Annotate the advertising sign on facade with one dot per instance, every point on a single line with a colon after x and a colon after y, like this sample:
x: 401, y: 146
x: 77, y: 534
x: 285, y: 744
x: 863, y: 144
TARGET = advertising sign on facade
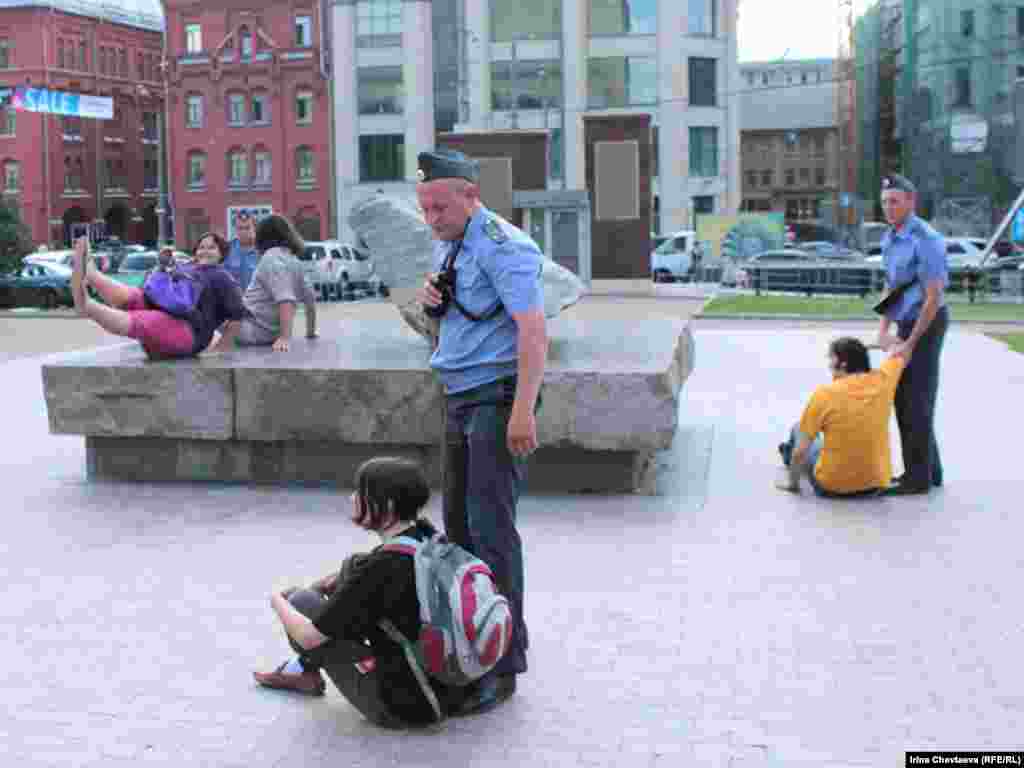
x: 63, y: 103
x: 256, y: 211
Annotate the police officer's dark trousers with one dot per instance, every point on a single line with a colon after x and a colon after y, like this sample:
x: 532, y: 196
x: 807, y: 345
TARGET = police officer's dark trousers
x: 482, y: 485
x: 915, y: 404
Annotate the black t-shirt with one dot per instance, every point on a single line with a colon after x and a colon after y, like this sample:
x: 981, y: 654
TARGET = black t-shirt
x: 383, y: 586
x: 221, y: 300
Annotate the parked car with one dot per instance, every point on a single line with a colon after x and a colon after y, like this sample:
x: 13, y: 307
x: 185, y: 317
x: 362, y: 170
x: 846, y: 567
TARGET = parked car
x: 826, y: 250
x: 139, y: 263
x: 960, y: 252
x: 331, y: 265
x: 674, y: 259
x: 781, y: 257
x: 49, y: 257
x: 37, y: 285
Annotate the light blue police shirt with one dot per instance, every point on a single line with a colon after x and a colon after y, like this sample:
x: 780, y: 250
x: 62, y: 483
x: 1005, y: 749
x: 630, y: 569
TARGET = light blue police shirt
x: 241, y: 263
x: 498, y: 262
x: 915, y: 249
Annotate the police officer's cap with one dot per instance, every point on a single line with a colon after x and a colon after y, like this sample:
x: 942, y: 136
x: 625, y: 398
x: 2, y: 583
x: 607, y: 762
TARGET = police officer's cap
x: 447, y: 164
x: 899, y: 183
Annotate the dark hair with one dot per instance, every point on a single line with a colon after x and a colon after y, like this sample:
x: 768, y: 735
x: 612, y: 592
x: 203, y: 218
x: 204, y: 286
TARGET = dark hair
x: 275, y: 231
x: 851, y: 354
x: 390, y: 489
x: 222, y: 244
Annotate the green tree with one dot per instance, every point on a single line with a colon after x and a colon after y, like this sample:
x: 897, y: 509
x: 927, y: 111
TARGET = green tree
x: 15, y: 238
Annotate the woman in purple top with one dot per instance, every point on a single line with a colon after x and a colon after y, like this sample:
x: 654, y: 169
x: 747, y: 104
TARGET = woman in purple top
x: 127, y: 312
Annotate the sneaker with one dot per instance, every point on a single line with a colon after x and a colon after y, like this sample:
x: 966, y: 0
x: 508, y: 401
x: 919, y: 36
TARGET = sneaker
x: 487, y: 694
x: 308, y: 682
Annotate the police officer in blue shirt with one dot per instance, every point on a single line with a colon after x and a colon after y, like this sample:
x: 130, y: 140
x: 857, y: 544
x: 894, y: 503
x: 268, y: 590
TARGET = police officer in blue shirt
x: 914, y: 256
x: 243, y: 257
x: 490, y: 357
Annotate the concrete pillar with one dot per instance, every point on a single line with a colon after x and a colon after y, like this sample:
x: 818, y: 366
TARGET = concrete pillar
x: 673, y: 131
x: 346, y: 120
x: 418, y: 80
x: 730, y: 93
x: 575, y: 45
x: 478, y: 62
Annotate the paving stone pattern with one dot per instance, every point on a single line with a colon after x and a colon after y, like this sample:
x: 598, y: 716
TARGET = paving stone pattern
x: 718, y: 623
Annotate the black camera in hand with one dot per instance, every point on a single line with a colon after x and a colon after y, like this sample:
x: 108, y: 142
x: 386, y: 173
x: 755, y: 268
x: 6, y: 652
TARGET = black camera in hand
x: 445, y: 285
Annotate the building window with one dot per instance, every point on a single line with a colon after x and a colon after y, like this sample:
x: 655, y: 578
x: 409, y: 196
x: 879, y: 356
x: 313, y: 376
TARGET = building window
x: 103, y: 60
x: 703, y: 204
x: 124, y: 62
x: 245, y: 43
x: 703, y: 83
x: 83, y: 57
x: 378, y: 23
x: 261, y: 172
x: 556, y: 154
x: 150, y: 128
x: 60, y: 53
x: 1020, y: 21
x: 238, y: 168
x: 196, y: 170
x: 71, y: 128
x: 790, y: 178
x: 114, y: 173
x: 381, y: 158
x: 967, y: 23
x: 526, y: 85
x: 305, y: 167
x: 260, y: 109
x: 12, y: 176
x: 805, y: 176
x: 704, y: 151
x: 526, y: 20
x: 73, y: 174
x: 751, y: 178
x: 236, y: 109
x: 304, y: 106
x: 304, y: 31
x: 819, y: 145
x: 6, y: 54
x: 381, y: 91
x: 766, y: 178
x: 150, y: 175
x: 193, y: 39
x: 962, y: 96
x: 819, y: 177
x: 194, y: 111
x: 702, y: 17
x: 615, y: 17
x: 622, y: 82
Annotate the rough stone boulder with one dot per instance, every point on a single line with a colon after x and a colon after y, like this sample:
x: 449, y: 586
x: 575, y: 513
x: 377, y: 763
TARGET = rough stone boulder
x: 402, y: 247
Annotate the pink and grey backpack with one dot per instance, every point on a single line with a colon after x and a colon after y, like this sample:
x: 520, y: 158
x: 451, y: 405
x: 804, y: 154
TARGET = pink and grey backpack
x: 466, y: 623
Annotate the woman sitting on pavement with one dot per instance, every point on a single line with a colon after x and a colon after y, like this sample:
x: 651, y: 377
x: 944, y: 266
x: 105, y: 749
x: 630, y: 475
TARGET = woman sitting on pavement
x: 334, y: 625
x: 278, y: 284
x: 127, y: 311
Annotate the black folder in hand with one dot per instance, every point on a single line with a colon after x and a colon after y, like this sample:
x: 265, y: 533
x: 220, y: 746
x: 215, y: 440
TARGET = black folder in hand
x: 886, y: 302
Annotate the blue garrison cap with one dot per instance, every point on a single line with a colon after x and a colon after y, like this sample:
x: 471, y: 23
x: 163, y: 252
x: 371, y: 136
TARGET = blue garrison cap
x: 901, y: 183
x: 447, y: 164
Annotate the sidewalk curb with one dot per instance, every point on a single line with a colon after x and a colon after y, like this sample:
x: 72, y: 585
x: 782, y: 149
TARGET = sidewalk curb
x: 839, y: 319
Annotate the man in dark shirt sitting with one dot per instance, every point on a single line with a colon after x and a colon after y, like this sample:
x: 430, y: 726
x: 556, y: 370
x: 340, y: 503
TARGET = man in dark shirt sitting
x: 334, y: 625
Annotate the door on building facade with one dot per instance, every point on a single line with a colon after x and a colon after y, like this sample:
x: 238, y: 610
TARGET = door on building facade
x: 565, y: 239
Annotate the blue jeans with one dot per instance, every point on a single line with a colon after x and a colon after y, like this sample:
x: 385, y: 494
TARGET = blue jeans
x: 811, y: 461
x: 482, y: 483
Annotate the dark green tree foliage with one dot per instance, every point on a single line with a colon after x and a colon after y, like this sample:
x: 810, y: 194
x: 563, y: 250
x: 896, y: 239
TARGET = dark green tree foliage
x: 15, y: 239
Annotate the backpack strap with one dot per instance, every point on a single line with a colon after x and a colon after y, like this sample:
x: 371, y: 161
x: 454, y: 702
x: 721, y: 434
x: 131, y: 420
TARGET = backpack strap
x: 414, y: 663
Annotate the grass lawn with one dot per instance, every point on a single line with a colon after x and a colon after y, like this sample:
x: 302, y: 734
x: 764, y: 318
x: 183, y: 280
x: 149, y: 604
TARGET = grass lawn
x: 1014, y: 340
x: 847, y: 307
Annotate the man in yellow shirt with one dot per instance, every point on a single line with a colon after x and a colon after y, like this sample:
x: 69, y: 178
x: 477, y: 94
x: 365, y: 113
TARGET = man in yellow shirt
x: 842, y: 441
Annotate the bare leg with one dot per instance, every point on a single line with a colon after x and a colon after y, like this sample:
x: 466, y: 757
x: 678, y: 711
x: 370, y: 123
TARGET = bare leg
x: 114, y: 293
x: 112, y: 320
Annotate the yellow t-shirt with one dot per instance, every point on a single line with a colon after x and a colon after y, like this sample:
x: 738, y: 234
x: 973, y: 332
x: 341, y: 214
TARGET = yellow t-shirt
x: 853, y: 413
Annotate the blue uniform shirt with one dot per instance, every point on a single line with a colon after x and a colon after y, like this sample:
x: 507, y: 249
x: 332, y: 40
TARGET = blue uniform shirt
x: 241, y: 263
x: 913, y: 250
x: 498, y: 262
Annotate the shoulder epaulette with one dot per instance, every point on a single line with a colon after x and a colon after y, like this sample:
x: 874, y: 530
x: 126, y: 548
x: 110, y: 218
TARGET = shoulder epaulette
x: 494, y: 231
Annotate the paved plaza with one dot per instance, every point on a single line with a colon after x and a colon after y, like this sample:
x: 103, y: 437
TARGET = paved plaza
x: 717, y: 623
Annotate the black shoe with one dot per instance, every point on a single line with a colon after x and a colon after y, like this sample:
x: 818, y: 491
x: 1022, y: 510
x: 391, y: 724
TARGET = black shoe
x: 898, y: 480
x: 487, y: 694
x: 903, y: 489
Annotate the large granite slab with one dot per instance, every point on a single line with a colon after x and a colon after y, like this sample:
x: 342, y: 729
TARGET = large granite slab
x: 610, y: 400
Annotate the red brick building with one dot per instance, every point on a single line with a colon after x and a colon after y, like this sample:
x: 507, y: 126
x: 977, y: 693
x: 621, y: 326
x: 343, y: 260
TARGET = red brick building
x: 88, y: 170
x: 248, y: 113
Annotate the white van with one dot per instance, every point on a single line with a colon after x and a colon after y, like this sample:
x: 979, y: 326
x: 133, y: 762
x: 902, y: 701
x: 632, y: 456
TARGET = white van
x: 331, y: 263
x: 673, y: 259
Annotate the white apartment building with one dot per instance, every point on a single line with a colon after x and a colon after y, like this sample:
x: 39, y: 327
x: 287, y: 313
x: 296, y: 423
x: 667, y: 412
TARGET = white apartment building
x: 405, y: 69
